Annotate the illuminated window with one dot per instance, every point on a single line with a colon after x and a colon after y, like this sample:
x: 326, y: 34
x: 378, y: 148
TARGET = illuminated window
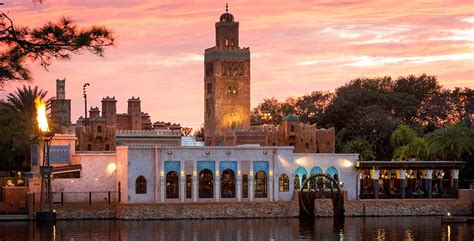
x: 260, y: 184
x: 140, y: 185
x: 172, y: 185
x: 232, y: 89
x: 206, y: 184
x: 284, y: 183
x: 228, y: 184
x: 189, y: 181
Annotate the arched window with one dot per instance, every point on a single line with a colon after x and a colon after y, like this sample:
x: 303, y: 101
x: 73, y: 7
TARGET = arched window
x: 99, y: 129
x: 297, y: 182
x: 260, y: 184
x: 292, y: 128
x: 172, y: 185
x: 226, y: 42
x: 228, y: 184
x: 284, y: 183
x: 206, y: 184
x: 140, y: 185
x: 89, y: 147
x: 306, y: 145
x: 107, y: 147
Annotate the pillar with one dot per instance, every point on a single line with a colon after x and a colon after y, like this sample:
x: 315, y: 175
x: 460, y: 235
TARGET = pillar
x: 454, y: 177
x: 251, y: 183
x: 403, y: 183
x: 238, y: 186
x: 375, y: 177
x: 217, y: 183
x: 429, y: 182
x: 162, y: 185
x: 440, y: 187
x: 270, y: 186
x: 194, y: 191
x: 182, y: 183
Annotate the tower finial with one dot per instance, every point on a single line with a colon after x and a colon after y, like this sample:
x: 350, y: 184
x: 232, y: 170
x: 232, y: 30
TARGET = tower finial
x: 226, y: 7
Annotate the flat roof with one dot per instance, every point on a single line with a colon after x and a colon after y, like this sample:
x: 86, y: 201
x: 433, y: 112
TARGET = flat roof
x: 409, y: 164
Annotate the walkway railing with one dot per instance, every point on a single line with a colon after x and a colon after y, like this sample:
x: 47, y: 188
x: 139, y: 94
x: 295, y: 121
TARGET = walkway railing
x: 82, y: 197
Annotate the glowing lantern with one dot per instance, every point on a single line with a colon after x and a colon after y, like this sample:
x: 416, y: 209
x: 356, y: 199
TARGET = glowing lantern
x: 41, y: 115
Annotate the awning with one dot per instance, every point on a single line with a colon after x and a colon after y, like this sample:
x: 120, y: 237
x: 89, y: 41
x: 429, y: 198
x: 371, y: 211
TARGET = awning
x: 67, y: 169
x: 406, y: 165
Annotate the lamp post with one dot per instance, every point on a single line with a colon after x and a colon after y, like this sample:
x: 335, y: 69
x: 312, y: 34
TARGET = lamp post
x: 84, y: 94
x: 46, y: 212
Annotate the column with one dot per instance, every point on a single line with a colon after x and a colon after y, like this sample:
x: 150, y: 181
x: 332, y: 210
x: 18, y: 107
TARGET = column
x: 217, y: 183
x: 440, y: 186
x: 375, y: 177
x: 194, y: 191
x: 454, y: 177
x: 429, y: 182
x: 270, y: 186
x: 239, y: 182
x: 403, y: 183
x: 251, y: 183
x: 157, y: 176
x: 182, y: 183
x: 162, y: 185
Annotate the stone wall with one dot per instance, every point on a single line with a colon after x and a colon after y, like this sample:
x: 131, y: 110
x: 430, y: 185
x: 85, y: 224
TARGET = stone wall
x: 398, y: 207
x: 173, y: 210
x: 209, y: 210
x: 323, y: 208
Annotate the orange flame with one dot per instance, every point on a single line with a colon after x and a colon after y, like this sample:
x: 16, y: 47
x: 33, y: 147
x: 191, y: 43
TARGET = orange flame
x: 41, y: 115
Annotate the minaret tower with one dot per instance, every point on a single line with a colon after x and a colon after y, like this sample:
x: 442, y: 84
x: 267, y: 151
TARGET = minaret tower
x: 226, y: 83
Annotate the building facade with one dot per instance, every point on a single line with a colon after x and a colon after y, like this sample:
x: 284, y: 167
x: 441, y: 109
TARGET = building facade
x: 226, y: 83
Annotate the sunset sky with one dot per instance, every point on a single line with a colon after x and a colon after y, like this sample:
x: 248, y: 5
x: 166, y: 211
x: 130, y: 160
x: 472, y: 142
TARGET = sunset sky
x: 296, y: 47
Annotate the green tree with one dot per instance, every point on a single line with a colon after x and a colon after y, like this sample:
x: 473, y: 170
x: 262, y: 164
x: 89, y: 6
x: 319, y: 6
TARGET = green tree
x: 18, y: 123
x: 450, y: 142
x: 20, y: 45
x: 360, y: 146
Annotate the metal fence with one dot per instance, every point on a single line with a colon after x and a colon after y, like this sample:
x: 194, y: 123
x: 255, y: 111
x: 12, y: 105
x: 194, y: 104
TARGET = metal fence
x: 81, y: 197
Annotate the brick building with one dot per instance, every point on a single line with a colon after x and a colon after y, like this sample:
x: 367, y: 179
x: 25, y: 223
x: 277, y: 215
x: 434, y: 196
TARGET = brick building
x: 305, y: 138
x: 61, y: 108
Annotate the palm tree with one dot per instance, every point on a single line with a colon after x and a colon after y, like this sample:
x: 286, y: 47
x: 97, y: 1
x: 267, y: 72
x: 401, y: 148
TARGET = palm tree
x: 361, y: 146
x: 450, y: 142
x: 18, y: 125
x: 403, y: 135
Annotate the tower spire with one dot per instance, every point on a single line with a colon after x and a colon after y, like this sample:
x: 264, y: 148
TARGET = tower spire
x: 226, y: 7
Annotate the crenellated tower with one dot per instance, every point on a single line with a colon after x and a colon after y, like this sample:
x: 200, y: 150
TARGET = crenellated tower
x: 226, y: 83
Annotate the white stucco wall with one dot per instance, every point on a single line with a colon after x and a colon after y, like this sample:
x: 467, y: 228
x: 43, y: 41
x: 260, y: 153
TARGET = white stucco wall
x: 97, y: 175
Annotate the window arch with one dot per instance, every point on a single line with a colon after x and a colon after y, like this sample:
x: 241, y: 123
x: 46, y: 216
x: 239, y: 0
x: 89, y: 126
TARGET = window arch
x: 206, y: 184
x: 260, y: 184
x: 333, y: 172
x: 297, y: 182
x: 140, y: 185
x: 172, y: 185
x: 99, y: 129
x: 284, y: 183
x: 228, y: 184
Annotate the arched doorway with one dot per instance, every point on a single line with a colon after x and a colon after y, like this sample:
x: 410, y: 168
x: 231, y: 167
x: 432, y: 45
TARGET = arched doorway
x: 228, y: 184
x: 172, y: 185
x: 206, y: 184
x: 260, y: 184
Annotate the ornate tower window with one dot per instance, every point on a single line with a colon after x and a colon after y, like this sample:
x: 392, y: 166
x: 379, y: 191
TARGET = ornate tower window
x: 232, y: 68
x: 232, y: 88
x: 209, y: 69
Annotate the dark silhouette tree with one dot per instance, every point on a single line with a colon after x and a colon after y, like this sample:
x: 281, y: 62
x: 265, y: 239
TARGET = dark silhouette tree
x: 20, y: 45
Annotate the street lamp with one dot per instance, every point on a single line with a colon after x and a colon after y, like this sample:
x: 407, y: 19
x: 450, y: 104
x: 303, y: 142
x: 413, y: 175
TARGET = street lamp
x: 84, y: 94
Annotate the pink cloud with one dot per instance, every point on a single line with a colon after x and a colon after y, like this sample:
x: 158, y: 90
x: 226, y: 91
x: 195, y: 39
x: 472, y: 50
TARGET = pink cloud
x: 297, y: 46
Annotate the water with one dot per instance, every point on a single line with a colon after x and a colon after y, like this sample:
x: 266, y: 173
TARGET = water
x: 374, y: 228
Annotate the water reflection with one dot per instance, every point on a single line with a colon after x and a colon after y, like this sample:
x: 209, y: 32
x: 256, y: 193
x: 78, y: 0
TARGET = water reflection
x: 375, y: 228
